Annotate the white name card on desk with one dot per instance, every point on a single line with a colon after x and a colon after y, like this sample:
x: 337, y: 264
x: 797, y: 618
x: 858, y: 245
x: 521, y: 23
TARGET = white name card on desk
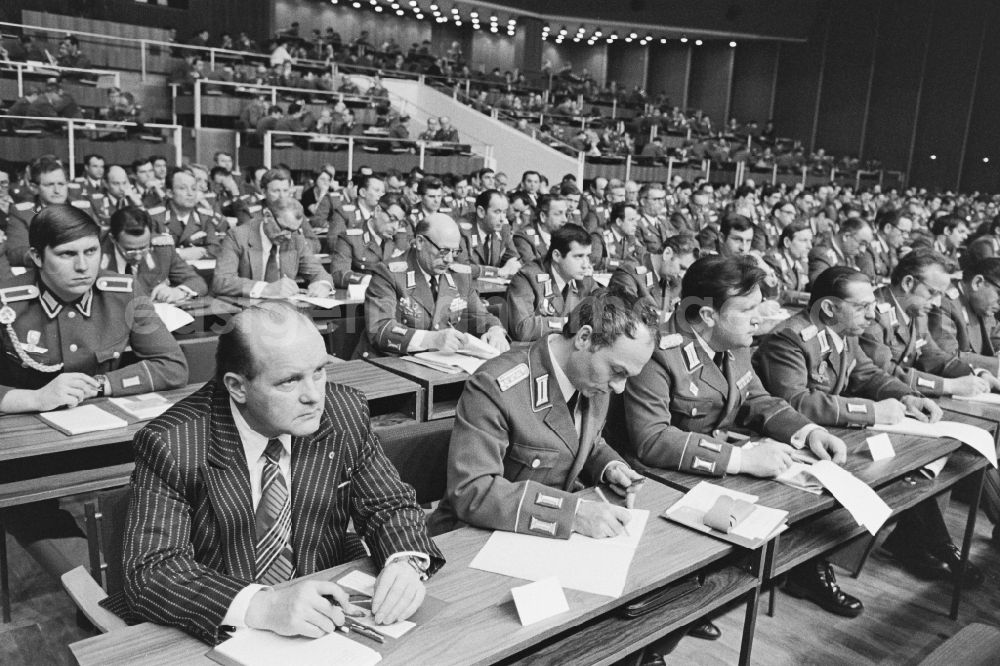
x: 539, y: 600
x: 172, y: 316
x: 880, y: 446
x: 203, y: 264
x: 356, y: 292
x: 320, y: 302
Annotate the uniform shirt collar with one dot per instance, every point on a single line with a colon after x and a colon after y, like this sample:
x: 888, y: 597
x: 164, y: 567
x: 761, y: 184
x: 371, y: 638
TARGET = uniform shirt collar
x: 52, y: 306
x: 253, y: 442
x: 374, y: 236
x: 704, y: 345
x: 838, y: 342
x: 565, y: 385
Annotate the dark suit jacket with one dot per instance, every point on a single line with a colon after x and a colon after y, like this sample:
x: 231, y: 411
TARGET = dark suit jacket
x: 241, y: 262
x: 189, y: 542
x: 957, y: 329
x: 162, y: 263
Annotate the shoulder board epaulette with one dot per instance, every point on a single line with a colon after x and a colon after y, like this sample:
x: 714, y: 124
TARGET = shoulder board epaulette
x: 470, y: 199
x: 162, y: 240
x: 542, y: 277
x: 348, y: 207
x: 80, y: 203
x: 465, y: 226
x: 832, y: 255
x: 22, y: 293
x: 883, y: 307
x: 608, y: 236
x: 73, y: 186
x: 156, y: 210
x: 529, y: 232
x: 122, y: 284
x: 671, y: 341
x: 355, y: 232
x: 444, y: 209
x: 397, y: 267
x: 513, y: 377
x: 952, y: 293
x: 207, y: 211
x: 641, y: 270
x: 24, y: 205
x: 809, y: 332
x: 460, y: 268
x: 256, y: 208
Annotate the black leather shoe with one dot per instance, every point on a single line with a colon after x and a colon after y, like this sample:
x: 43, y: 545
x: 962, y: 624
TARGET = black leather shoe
x: 705, y: 630
x: 951, y: 556
x: 920, y: 562
x: 650, y: 658
x: 819, y: 586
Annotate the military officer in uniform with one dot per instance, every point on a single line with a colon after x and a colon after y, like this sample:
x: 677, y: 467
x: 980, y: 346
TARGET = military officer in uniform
x: 816, y: 362
x: 64, y: 329
x: 48, y: 182
x: 354, y: 215
x: 790, y: 262
x: 967, y: 315
x: 618, y: 244
x: 950, y: 232
x: 654, y: 229
x: 842, y: 248
x: 425, y: 300
x: 659, y: 278
x: 528, y: 428
x: 898, y: 340
x: 380, y: 241
x: 892, y: 231
x: 541, y: 296
x: 487, y: 239
x: 266, y: 258
x: 130, y: 247
x: 197, y: 232
x: 532, y: 241
x: 430, y: 190
x: 92, y: 181
x: 683, y: 409
x: 277, y: 189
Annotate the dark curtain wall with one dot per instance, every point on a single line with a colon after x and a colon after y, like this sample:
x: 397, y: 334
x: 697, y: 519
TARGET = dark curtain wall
x: 799, y: 75
x: 753, y: 80
x: 984, y: 130
x: 669, y: 70
x: 627, y: 64
x: 711, y: 79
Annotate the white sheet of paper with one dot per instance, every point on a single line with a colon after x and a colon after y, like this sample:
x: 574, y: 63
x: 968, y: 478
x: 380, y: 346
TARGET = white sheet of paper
x: 598, y: 566
x: 539, y: 600
x: 880, y: 446
x: 934, y: 467
x: 363, y: 583
x: 356, y: 292
x: 327, y: 303
x: 144, y: 406
x: 602, y: 278
x: 203, y: 264
x: 257, y: 647
x: 478, y: 348
x: 796, y: 475
x: 173, y: 317
x: 468, y: 364
x: 856, y: 496
x: 86, y: 418
x: 988, y: 398
x: 761, y: 523
x: 975, y: 437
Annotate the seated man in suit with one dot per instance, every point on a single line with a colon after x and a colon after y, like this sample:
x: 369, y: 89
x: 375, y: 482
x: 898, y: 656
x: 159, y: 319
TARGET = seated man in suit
x: 815, y: 361
x: 252, y: 481
x: 541, y: 296
x: 527, y: 430
x: 197, y: 232
x: 379, y: 240
x: 64, y: 330
x: 898, y: 339
x: 678, y: 413
x: 487, y: 238
x: 265, y: 258
x: 659, y: 277
x: 618, y: 244
x: 131, y: 248
x: 789, y: 260
x: 425, y: 300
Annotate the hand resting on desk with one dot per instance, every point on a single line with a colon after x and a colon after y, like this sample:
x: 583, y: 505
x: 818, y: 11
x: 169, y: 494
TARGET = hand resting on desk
x: 891, y: 411
x: 301, y: 609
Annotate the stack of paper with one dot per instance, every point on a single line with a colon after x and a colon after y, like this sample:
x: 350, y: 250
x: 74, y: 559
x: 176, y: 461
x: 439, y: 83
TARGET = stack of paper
x: 598, y: 566
x: 797, y: 476
x: 473, y: 354
x: 80, y: 420
x: 751, y: 532
x: 143, y: 407
x: 977, y: 438
x: 327, y: 303
x: 173, y: 317
x: 988, y: 398
x: 256, y: 647
x: 202, y: 264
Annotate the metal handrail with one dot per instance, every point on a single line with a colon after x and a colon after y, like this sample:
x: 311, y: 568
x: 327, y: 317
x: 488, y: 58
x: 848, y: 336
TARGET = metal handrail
x: 40, y: 67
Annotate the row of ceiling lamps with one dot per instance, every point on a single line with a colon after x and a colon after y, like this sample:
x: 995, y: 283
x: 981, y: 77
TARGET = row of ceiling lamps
x: 495, y: 24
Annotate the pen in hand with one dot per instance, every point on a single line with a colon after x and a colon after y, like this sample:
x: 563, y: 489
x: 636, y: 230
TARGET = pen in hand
x: 351, y: 624
x: 604, y: 498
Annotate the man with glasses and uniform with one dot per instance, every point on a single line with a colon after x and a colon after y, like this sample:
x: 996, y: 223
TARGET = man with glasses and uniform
x: 893, y: 229
x: 899, y: 340
x: 380, y: 240
x: 654, y: 229
x: 424, y: 300
x: 790, y: 262
x: 842, y: 249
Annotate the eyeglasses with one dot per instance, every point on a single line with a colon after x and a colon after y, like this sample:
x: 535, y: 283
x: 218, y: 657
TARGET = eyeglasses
x: 931, y: 290
x: 442, y: 252
x: 866, y: 308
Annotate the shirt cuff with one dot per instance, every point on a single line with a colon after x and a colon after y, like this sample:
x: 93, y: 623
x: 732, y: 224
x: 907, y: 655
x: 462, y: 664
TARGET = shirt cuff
x: 417, y: 342
x: 236, y: 616
x: 735, y: 464
x: 406, y: 554
x: 799, y: 438
x: 257, y: 289
x: 187, y: 290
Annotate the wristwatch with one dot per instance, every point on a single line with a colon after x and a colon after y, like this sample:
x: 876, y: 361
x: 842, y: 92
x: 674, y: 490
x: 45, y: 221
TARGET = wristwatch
x: 419, y: 565
x: 101, y: 390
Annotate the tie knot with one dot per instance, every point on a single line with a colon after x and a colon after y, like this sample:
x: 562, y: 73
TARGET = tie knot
x: 274, y: 450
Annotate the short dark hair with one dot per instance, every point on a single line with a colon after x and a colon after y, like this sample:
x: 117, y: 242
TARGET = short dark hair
x: 683, y: 244
x: 946, y: 223
x: 59, y: 224
x: 43, y: 165
x: 788, y: 233
x: 87, y: 158
x: 563, y: 238
x: 832, y: 283
x: 131, y: 220
x: 545, y: 202
x: 989, y: 268
x: 979, y: 249
x: 139, y: 162
x: 612, y: 313
x: 914, y: 263
x: 529, y: 173
x: 715, y: 279
x: 734, y: 222
x: 429, y: 183
x: 618, y: 211
x: 218, y: 171
x: 235, y: 350
x: 273, y: 175
x: 852, y: 225
x: 390, y: 199
x: 567, y: 188
x: 168, y: 181
x: 363, y: 181
x: 485, y: 197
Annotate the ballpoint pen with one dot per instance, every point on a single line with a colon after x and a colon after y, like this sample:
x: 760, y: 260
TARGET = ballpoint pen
x: 604, y: 498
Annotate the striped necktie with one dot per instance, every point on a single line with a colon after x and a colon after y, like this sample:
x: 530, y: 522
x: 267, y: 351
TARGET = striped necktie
x: 273, y: 522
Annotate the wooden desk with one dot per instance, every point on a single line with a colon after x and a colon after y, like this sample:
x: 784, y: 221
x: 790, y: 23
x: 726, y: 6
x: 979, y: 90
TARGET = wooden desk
x: 479, y: 623
x: 210, y: 316
x: 392, y: 399
x: 831, y: 526
x: 441, y: 390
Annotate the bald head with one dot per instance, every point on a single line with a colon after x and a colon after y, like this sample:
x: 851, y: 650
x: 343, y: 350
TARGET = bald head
x: 254, y: 334
x: 438, y: 239
x: 117, y: 181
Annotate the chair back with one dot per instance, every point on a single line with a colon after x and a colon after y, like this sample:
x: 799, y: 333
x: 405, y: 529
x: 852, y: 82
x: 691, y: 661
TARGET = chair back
x: 420, y: 454
x: 105, y: 537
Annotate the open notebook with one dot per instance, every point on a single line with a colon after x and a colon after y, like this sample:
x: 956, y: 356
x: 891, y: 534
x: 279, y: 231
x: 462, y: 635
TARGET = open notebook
x: 255, y: 647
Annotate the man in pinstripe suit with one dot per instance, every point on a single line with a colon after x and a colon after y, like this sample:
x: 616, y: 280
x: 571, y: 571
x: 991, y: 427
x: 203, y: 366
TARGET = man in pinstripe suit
x: 252, y: 481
